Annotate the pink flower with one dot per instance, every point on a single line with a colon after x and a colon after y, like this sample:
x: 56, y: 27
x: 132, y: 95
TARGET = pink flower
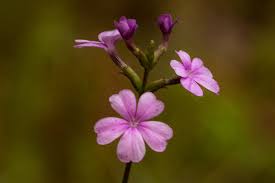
x: 107, y: 41
x: 193, y: 73
x: 134, y: 127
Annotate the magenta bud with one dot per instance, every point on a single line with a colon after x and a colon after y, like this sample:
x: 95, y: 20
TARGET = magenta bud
x: 126, y: 27
x: 166, y: 24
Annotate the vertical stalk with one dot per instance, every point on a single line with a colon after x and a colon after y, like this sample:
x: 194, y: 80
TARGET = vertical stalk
x: 140, y: 92
x: 145, y: 79
x: 127, y: 172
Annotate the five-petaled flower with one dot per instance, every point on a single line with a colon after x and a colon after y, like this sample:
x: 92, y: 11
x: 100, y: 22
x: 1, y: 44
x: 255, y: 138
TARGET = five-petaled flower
x: 107, y: 41
x: 126, y: 27
x: 193, y: 73
x: 134, y: 127
x: 166, y: 24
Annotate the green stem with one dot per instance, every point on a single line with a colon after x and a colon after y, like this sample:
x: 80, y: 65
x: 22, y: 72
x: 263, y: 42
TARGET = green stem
x: 145, y: 79
x: 133, y: 77
x: 160, y: 51
x: 127, y: 71
x: 162, y: 83
x: 139, y: 54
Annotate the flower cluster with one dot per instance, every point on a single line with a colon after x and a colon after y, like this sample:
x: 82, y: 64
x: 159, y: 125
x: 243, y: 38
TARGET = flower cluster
x: 135, y: 126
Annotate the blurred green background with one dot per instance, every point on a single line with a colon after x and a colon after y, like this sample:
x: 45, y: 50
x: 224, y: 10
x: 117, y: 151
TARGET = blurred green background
x: 52, y: 94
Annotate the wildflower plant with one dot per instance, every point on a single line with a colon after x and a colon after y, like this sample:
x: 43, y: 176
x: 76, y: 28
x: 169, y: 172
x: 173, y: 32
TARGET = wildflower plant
x: 135, y: 126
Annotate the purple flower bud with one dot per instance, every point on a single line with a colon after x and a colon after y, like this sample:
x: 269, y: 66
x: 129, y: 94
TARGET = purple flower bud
x: 166, y: 24
x: 126, y: 27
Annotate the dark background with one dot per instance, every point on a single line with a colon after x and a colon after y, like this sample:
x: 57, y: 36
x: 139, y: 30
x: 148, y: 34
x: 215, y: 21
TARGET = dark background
x: 52, y: 94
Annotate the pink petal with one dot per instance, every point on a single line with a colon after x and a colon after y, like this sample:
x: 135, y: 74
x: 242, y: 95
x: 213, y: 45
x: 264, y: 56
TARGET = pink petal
x: 109, y: 37
x: 109, y: 129
x: 131, y: 146
x: 155, y: 134
x: 80, y: 43
x: 190, y: 85
x: 179, y: 68
x: 203, y: 71
x: 196, y: 64
x: 124, y: 103
x: 208, y: 83
x: 148, y: 107
x: 185, y: 58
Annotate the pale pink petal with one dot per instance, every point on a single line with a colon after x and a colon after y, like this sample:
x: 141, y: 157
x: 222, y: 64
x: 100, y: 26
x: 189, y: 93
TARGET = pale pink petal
x: 190, y: 85
x: 110, y: 128
x: 131, y: 147
x: 80, y: 43
x: 179, y: 68
x: 185, y: 58
x: 208, y: 83
x: 148, y: 107
x: 196, y: 64
x: 109, y: 37
x: 155, y: 134
x: 203, y: 71
x: 124, y: 103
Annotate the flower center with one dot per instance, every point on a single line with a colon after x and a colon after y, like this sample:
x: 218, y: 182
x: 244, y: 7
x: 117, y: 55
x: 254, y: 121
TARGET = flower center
x: 134, y: 123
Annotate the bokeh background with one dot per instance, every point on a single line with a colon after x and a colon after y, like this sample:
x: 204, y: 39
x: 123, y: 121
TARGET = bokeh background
x: 52, y: 94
